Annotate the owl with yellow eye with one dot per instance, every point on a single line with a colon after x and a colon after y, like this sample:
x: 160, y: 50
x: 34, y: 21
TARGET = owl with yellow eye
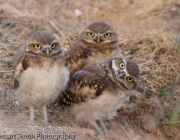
x: 40, y: 73
x: 97, y: 43
x: 96, y: 92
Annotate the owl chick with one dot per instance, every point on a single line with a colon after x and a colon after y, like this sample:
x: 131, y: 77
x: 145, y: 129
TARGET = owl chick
x: 40, y: 72
x: 97, y: 43
x: 99, y: 90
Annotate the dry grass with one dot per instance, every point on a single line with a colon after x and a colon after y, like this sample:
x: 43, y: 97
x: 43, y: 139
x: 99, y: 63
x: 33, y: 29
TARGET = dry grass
x: 147, y: 33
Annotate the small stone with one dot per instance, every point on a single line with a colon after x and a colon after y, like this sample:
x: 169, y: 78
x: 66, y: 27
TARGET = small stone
x: 78, y: 12
x: 17, y: 103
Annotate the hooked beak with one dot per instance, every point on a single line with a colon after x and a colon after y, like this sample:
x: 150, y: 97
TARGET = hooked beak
x: 121, y: 75
x: 47, y: 51
x: 98, y: 40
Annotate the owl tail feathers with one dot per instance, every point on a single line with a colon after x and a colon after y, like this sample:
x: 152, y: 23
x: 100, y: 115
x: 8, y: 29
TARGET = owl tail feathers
x: 61, y: 99
x: 64, y: 99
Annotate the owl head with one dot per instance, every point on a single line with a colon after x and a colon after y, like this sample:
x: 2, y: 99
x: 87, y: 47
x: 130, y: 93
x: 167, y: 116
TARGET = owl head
x: 125, y: 72
x: 43, y: 43
x: 98, y: 33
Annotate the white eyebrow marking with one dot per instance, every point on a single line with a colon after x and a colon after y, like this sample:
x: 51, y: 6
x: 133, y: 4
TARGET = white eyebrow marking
x: 55, y: 41
x: 125, y: 70
x: 27, y: 49
x: 114, y: 65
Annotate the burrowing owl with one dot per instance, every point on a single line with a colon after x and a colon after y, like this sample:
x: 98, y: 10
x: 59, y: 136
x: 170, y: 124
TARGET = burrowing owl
x: 99, y: 90
x: 97, y: 43
x: 40, y: 72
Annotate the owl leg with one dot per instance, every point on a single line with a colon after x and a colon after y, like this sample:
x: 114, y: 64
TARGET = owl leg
x: 31, y: 120
x: 104, y: 129
x: 44, y: 111
x: 94, y: 124
x: 31, y: 108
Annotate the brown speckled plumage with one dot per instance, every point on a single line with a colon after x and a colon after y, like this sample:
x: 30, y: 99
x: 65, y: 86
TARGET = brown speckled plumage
x: 90, y: 50
x: 98, y: 90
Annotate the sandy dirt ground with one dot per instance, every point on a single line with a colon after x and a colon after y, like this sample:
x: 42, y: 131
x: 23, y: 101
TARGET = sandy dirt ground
x: 147, y: 33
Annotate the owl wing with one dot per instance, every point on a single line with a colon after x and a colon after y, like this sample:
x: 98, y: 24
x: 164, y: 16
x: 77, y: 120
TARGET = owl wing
x: 76, y: 57
x: 85, y: 84
x: 20, y: 65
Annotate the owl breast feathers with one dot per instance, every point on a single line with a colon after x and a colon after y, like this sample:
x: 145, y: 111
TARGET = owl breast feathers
x: 99, y: 90
x: 40, y: 72
x: 97, y: 43
x: 38, y: 80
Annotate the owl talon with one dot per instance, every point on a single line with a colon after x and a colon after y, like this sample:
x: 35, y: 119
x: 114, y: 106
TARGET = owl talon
x: 107, y: 136
x: 100, y: 134
x: 104, y: 136
x: 107, y: 125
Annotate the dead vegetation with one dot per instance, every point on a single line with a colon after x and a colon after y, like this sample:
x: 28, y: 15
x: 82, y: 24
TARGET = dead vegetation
x: 148, y: 34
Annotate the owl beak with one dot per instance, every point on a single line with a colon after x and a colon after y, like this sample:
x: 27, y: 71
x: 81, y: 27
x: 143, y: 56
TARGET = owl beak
x: 47, y: 51
x: 121, y: 75
x: 98, y: 39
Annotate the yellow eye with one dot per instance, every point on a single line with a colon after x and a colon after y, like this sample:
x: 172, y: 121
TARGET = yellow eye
x: 90, y: 34
x: 106, y: 35
x: 129, y: 79
x: 37, y: 46
x: 53, y: 46
x: 122, y: 65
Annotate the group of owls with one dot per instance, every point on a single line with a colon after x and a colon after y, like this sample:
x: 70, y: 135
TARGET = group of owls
x: 92, y: 76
